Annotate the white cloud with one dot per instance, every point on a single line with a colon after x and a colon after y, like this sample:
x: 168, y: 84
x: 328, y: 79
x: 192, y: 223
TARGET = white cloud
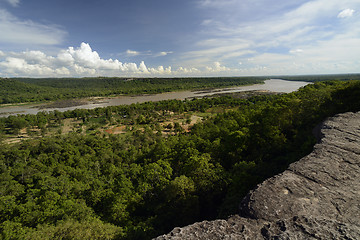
x: 62, y: 71
x: 328, y: 56
x: 34, y: 57
x: 143, y: 68
x: 217, y: 68
x: 182, y: 70
x: 290, y: 37
x: 65, y: 57
x: 15, y: 65
x: 296, y: 51
x: 78, y: 70
x: 160, y: 54
x: 346, y: 13
x: 207, y: 22
x: 219, y: 49
x: 14, y: 3
x: 285, y: 36
x: 83, y: 61
x: 160, y: 70
x: 16, y: 31
x: 132, y: 53
x: 164, y: 53
x: 86, y: 57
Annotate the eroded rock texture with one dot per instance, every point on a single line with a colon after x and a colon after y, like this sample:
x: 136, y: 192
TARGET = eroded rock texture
x: 317, y: 197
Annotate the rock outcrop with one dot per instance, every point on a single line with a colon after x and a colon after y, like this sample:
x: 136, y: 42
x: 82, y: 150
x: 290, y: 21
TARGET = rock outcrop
x: 317, y: 197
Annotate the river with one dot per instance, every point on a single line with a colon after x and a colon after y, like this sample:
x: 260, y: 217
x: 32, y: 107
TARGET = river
x: 274, y: 85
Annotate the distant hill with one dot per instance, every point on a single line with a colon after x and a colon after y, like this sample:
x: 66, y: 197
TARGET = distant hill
x: 12, y: 90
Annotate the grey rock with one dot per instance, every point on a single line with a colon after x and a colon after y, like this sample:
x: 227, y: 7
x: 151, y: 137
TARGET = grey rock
x: 317, y: 197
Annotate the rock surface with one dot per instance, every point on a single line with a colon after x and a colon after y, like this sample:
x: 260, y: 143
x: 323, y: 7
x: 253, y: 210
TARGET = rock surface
x: 317, y: 197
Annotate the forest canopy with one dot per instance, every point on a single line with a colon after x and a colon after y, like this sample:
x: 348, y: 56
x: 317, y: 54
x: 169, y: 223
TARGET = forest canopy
x: 16, y: 90
x: 141, y: 184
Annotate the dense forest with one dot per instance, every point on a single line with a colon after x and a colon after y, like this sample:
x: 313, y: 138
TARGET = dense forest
x: 19, y: 90
x: 161, y: 171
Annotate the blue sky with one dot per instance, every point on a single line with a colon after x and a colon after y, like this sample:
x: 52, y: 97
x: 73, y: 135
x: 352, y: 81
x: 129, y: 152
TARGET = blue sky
x: 77, y: 38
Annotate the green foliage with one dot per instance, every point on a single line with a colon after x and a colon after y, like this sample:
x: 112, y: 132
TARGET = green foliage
x: 326, y: 77
x: 70, y: 229
x: 140, y: 185
x: 44, y: 89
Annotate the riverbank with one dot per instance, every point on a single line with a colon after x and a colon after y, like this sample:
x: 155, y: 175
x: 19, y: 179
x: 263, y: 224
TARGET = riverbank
x: 15, y: 90
x: 64, y: 103
x: 273, y: 85
x: 244, y: 94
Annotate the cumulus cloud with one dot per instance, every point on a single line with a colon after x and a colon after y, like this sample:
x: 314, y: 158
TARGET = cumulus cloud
x: 217, y: 68
x: 14, y: 66
x: 81, y: 61
x: 346, y: 13
x: 182, y: 70
x: 143, y: 68
x: 160, y: 70
x: 84, y: 56
x: 65, y: 58
x: 84, y: 61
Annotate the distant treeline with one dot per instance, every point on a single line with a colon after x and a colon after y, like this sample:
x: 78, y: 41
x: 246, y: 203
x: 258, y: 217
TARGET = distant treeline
x: 140, y: 185
x: 49, y: 89
x: 318, y: 78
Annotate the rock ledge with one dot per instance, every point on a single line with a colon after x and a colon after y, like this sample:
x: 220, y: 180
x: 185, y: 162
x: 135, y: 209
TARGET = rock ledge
x: 317, y: 197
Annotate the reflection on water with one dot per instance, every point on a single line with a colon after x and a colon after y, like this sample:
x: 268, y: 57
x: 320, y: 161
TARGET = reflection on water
x: 274, y: 85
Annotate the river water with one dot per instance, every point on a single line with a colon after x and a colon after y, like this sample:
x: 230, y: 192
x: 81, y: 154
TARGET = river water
x: 274, y: 85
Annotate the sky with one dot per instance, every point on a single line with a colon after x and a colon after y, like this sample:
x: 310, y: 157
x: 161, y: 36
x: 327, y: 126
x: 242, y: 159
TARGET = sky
x: 169, y: 38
